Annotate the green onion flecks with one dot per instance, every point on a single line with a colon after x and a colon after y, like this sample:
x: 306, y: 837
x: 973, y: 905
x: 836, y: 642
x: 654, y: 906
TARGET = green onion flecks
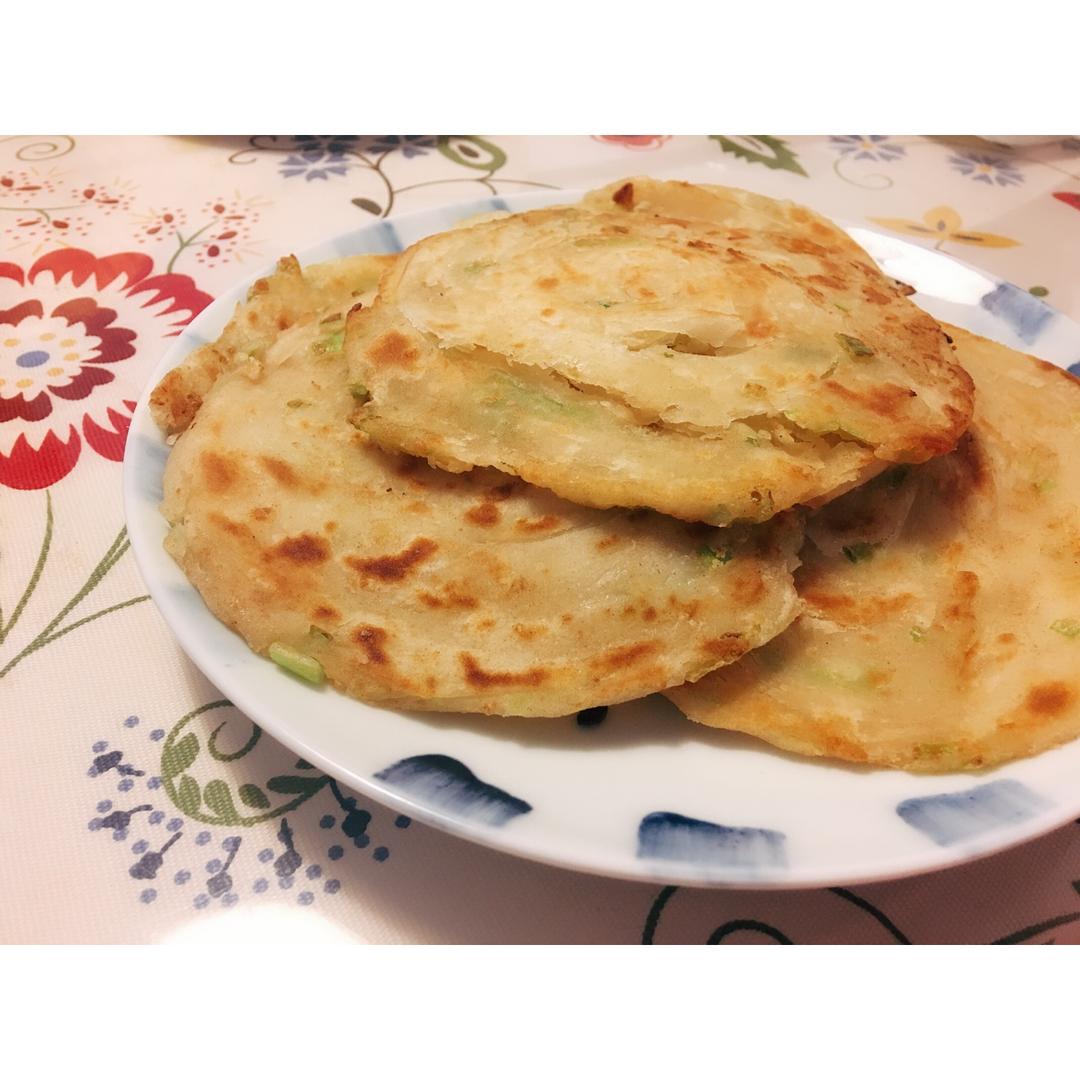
x: 306, y: 667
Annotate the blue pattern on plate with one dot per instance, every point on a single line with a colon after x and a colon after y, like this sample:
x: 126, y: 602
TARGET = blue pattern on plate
x: 446, y: 783
x: 675, y: 838
x: 378, y: 239
x: 192, y: 341
x: 965, y: 815
x: 1026, y: 314
x: 150, y: 468
x: 1074, y: 369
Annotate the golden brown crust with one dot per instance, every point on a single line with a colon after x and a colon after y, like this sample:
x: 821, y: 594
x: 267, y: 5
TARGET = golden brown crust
x: 425, y: 589
x: 743, y: 346
x: 942, y: 622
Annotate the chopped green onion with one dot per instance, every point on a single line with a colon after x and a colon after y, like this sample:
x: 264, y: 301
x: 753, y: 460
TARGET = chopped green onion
x: 476, y: 267
x: 330, y: 319
x: 330, y: 343
x: 918, y: 633
x: 606, y: 303
x: 713, y: 555
x: 306, y: 667
x: 859, y: 349
x: 318, y: 633
x: 1043, y: 486
x: 360, y: 392
x: 858, y: 552
x: 1066, y: 627
x: 668, y: 353
x: 841, y: 307
x: 296, y: 403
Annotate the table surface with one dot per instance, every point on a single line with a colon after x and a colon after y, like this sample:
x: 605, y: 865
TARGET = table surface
x: 91, y: 680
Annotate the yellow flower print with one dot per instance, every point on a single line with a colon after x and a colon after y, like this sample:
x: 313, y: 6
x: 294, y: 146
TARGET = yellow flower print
x: 945, y: 223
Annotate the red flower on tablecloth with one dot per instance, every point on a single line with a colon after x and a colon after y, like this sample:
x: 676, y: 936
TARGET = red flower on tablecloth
x: 42, y: 210
x: 1069, y: 198
x: 635, y: 142
x: 68, y: 325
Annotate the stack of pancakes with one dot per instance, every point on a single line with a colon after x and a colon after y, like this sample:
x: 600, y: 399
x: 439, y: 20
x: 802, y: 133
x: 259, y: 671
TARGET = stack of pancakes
x: 672, y: 438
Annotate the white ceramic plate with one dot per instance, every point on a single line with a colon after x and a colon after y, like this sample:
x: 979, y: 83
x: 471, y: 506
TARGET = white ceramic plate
x: 645, y: 794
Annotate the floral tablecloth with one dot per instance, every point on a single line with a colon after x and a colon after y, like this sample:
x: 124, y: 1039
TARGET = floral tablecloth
x: 108, y: 246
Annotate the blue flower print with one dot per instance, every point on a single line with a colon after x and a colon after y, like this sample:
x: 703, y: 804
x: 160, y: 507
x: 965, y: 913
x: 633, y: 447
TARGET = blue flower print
x: 987, y: 169
x: 867, y: 147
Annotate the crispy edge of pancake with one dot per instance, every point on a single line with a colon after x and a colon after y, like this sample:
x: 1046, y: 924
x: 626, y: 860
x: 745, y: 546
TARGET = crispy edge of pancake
x: 273, y: 303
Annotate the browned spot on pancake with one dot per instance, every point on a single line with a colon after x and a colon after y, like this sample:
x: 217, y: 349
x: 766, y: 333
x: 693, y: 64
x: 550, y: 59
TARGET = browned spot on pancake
x: 219, y: 472
x: 372, y: 639
x: 326, y: 613
x: 885, y: 399
x: 646, y: 294
x: 799, y: 214
x: 305, y: 548
x: 476, y: 676
x: 748, y: 587
x: 823, y: 231
x: 689, y: 608
x: 504, y: 491
x: 527, y: 631
x: 606, y: 542
x: 252, y: 317
x: 1049, y: 698
x: 649, y: 614
x: 760, y: 325
x: 702, y: 245
x: 261, y: 286
x: 815, y: 294
x: 547, y: 283
x: 1006, y: 639
x: 854, y: 611
x: 624, y: 197
x: 261, y: 513
x: 547, y: 311
x: 283, y: 322
x: 486, y: 514
x: 486, y: 624
x: 965, y: 587
x: 228, y: 525
x: 392, y: 350
x: 624, y: 656
x: 875, y: 296
x: 829, y: 281
x: 541, y: 524
x: 740, y: 256
x: 330, y: 526
x: 280, y: 470
x: 452, y: 597
x: 567, y: 617
x: 735, y: 235
x: 395, y: 567
x: 726, y: 648
x: 797, y: 245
